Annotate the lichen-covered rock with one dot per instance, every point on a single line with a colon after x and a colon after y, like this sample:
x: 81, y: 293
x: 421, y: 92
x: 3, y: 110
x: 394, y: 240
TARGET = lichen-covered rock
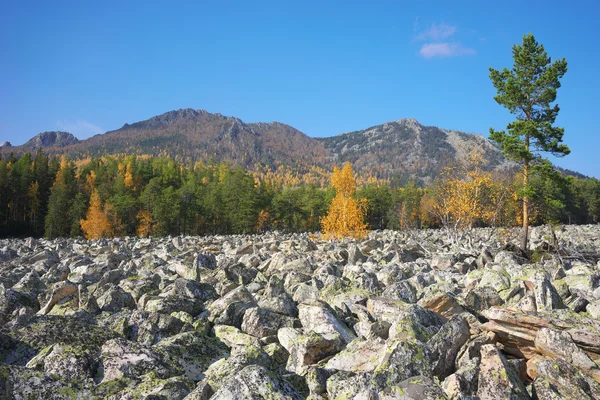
x: 115, y: 299
x: 305, y: 349
x: 446, y: 344
x: 240, y: 357
x: 359, y: 356
x: 255, y: 383
x: 191, y: 353
x: 415, y: 322
x: 125, y: 359
x: 560, y: 380
x: 67, y: 362
x: 318, y: 318
x: 348, y: 385
x: 414, y: 388
x: 559, y: 344
x: 496, y: 379
x: 261, y: 322
x: 402, y: 360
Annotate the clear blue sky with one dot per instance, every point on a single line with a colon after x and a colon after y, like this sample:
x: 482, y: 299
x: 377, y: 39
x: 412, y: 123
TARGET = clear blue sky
x: 324, y: 67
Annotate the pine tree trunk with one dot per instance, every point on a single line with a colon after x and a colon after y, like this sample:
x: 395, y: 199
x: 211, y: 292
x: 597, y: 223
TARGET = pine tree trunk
x: 525, y: 232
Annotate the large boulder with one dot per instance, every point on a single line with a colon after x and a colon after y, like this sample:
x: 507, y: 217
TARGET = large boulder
x: 125, y: 359
x: 255, y: 383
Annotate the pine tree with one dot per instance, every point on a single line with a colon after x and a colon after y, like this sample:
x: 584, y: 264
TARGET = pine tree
x: 528, y: 91
x: 58, y: 219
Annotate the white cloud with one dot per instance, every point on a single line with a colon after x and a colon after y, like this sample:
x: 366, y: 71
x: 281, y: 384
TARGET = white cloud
x: 436, y: 32
x: 444, y: 49
x: 80, y: 128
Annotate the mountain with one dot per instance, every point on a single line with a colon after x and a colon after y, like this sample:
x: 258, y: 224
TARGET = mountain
x: 398, y: 150
x: 52, y: 139
x: 191, y: 135
x: 405, y: 148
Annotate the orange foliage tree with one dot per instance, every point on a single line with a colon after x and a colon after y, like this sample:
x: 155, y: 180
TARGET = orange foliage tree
x: 346, y: 215
x: 96, y: 224
x: 146, y: 226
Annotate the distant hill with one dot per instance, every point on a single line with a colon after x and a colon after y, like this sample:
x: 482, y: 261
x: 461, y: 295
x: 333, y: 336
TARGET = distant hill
x: 398, y: 150
x: 46, y: 140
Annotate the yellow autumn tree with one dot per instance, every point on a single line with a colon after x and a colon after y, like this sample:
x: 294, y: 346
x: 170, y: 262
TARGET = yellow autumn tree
x: 96, y: 225
x: 146, y: 225
x: 346, y: 215
x: 467, y: 195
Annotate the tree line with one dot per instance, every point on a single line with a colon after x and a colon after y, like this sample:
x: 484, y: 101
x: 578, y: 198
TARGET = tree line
x: 137, y: 195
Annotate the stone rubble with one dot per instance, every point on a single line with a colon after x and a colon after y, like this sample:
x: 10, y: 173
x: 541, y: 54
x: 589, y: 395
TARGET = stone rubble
x: 290, y: 316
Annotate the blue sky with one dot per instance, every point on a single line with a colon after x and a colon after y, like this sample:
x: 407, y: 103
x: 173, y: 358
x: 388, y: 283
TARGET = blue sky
x: 324, y: 67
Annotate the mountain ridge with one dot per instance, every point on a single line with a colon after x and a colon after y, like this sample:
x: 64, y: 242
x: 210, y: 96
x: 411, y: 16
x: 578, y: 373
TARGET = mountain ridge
x: 401, y: 149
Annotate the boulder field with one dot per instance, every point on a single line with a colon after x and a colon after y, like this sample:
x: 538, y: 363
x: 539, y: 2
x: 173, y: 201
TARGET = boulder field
x: 400, y: 315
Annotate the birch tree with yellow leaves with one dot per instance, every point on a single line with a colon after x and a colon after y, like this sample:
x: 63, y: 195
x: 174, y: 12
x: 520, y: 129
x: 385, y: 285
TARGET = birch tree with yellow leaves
x: 346, y: 215
x: 467, y: 196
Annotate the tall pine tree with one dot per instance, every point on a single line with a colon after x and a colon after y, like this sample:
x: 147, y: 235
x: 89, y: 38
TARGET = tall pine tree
x: 528, y: 91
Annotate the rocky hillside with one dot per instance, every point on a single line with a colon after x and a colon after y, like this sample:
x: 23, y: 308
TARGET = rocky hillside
x: 400, y: 150
x: 52, y: 139
x: 191, y: 135
x: 407, y: 148
x: 290, y: 317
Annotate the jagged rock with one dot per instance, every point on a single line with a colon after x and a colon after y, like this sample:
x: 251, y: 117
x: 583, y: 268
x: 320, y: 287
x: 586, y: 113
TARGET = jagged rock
x: 305, y: 349
x: 261, y: 322
x: 60, y: 291
x: 320, y: 319
x: 446, y: 344
x: 441, y: 303
x: 517, y: 330
x: 232, y: 336
x: 496, y: 379
x: 348, y: 385
x: 557, y: 379
x: 401, y: 290
x: 186, y: 271
x: 443, y: 261
x: 559, y: 344
x: 546, y: 296
x: 464, y: 381
x: 402, y: 360
x: 237, y: 295
x: 240, y: 357
x: 115, y: 299
x: 415, y: 322
x: 14, y: 302
x: 355, y: 256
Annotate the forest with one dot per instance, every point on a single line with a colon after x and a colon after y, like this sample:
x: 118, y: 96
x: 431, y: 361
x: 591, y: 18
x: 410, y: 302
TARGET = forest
x: 139, y: 195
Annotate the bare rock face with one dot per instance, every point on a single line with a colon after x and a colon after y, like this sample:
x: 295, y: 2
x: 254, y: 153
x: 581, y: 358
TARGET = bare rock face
x: 280, y: 316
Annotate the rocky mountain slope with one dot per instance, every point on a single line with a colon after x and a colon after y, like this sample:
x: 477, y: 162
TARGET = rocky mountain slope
x: 407, y: 148
x: 52, y: 139
x: 291, y: 316
x: 401, y: 150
